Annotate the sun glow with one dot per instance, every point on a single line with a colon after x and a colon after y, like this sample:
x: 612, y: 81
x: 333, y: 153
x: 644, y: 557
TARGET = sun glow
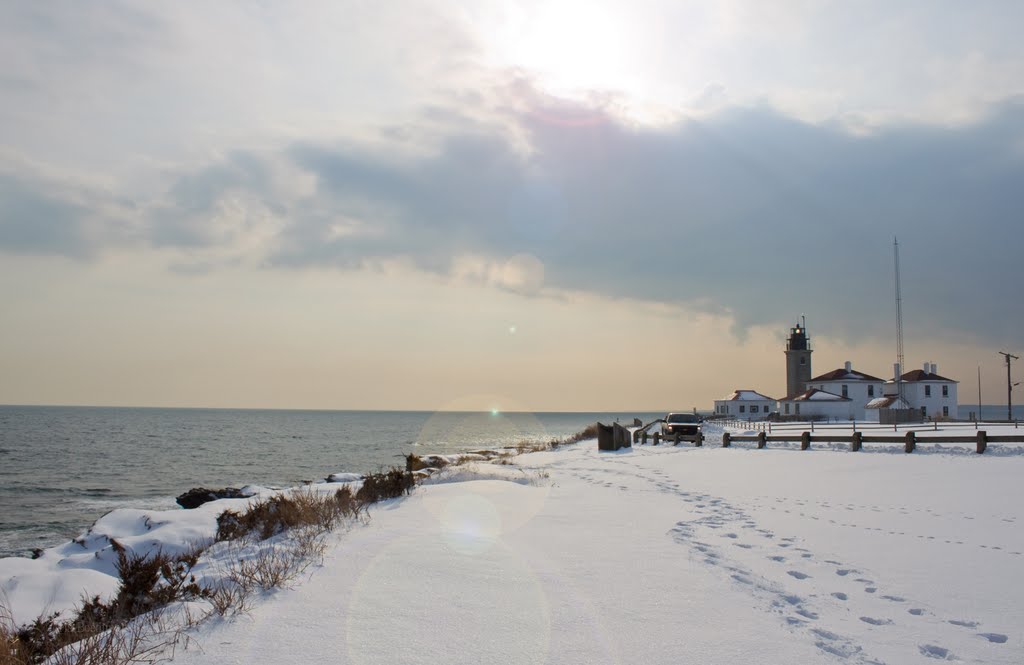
x: 568, y: 45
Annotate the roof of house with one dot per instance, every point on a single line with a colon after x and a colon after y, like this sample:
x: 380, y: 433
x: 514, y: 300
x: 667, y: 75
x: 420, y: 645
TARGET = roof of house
x: 747, y: 395
x: 887, y: 403
x: 921, y: 375
x: 843, y: 374
x: 816, y: 395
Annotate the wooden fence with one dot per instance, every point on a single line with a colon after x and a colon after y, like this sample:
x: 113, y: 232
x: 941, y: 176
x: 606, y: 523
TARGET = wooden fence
x: 909, y: 439
x: 641, y: 436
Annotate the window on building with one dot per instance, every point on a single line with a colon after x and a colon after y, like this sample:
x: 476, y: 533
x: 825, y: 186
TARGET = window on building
x: 927, y: 391
x: 924, y: 411
x: 742, y: 408
x: 846, y: 390
x: 797, y: 409
x: 803, y: 360
x: 871, y: 391
x: 945, y: 391
x: 787, y: 408
x: 753, y: 408
x: 945, y: 411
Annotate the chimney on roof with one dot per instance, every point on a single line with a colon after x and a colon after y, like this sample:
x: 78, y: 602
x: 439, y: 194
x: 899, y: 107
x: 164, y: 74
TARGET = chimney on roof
x: 926, y: 368
x: 934, y: 369
x: 896, y: 372
x: 849, y: 366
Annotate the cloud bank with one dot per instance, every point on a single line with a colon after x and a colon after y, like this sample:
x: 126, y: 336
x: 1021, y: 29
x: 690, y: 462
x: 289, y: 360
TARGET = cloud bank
x: 746, y: 211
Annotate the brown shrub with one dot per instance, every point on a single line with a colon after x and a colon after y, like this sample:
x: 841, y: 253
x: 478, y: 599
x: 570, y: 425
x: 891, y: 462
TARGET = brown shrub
x: 101, y: 632
x: 282, y: 512
x: 385, y: 485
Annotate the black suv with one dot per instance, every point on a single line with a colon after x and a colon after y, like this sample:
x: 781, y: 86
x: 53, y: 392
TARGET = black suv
x: 682, y: 423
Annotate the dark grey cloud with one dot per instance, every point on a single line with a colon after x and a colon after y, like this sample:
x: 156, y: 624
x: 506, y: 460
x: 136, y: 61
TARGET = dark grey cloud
x: 746, y: 210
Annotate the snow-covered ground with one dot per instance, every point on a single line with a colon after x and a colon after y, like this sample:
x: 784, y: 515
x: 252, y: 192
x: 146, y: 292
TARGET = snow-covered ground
x: 652, y: 554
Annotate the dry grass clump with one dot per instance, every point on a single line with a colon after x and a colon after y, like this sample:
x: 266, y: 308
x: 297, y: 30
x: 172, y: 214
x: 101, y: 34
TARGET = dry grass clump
x: 146, y: 639
x: 265, y: 547
x: 528, y: 446
x: 12, y: 651
x: 282, y: 512
x: 277, y: 539
x: 389, y: 484
x: 109, y: 632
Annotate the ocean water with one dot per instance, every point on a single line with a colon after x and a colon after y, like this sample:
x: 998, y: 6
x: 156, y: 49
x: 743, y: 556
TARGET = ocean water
x: 61, y: 468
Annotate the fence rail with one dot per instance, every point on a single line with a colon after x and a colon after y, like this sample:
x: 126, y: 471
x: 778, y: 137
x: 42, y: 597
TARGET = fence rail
x: 934, y: 426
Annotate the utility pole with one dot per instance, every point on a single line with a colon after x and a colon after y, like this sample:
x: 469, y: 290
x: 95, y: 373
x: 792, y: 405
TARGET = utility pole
x: 1009, y: 384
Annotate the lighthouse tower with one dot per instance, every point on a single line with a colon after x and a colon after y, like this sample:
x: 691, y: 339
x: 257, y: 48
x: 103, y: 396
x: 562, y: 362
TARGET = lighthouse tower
x: 798, y: 360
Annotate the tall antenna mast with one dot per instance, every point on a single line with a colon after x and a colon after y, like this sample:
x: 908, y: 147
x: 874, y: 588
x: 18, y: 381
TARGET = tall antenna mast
x: 899, y: 320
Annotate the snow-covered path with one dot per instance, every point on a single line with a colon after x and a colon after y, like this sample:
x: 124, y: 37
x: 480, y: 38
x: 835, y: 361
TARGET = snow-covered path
x: 668, y: 555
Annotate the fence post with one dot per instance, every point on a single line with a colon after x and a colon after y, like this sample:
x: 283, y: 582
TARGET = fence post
x: 911, y: 442
x: 657, y: 438
x: 936, y: 422
x: 769, y: 427
x: 644, y: 437
x: 812, y: 425
x: 760, y: 440
x: 675, y: 439
x: 726, y: 439
x: 805, y: 439
x: 982, y: 441
x: 854, y: 424
x: 857, y: 441
x: 698, y: 441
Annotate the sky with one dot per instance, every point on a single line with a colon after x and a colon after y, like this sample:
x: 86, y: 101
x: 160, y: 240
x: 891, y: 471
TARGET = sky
x: 536, y: 206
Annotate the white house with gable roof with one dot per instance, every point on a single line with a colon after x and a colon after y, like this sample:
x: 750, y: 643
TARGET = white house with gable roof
x: 745, y: 404
x: 815, y: 403
x: 925, y: 390
x: 858, y: 387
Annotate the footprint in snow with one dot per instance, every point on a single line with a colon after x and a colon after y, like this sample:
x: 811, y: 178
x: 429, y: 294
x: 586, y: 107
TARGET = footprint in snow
x: 777, y: 559
x: 843, y: 572
x: 797, y: 574
x: 916, y: 611
x: 895, y: 599
x: 996, y: 638
x: 937, y: 652
x: 870, y: 589
x: 840, y: 595
x: 876, y: 622
x: 964, y: 623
